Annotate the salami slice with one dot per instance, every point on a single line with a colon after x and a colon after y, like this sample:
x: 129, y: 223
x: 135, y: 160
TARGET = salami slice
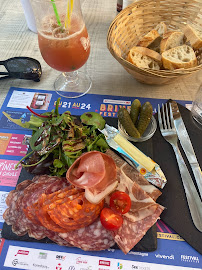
x: 134, y: 175
x: 93, y: 237
x: 9, y: 197
x: 25, y: 195
x: 13, y: 201
x: 130, y: 233
x: 74, y: 211
x: 35, y: 231
x: 56, y: 238
x: 14, y: 215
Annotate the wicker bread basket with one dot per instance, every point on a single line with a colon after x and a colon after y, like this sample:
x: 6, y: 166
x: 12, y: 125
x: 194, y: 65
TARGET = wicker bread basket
x: 138, y: 19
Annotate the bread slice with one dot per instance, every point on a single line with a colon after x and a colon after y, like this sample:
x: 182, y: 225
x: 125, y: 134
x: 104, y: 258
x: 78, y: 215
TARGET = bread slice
x: 150, y: 37
x: 142, y: 61
x: 179, y: 57
x: 193, y: 36
x: 161, y: 28
x: 147, y: 52
x: 171, y: 39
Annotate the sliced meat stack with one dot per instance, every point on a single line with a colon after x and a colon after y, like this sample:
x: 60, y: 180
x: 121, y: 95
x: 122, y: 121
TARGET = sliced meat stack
x: 50, y: 206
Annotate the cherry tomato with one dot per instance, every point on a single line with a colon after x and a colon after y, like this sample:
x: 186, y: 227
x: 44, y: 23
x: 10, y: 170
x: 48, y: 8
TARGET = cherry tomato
x: 120, y: 202
x: 110, y: 220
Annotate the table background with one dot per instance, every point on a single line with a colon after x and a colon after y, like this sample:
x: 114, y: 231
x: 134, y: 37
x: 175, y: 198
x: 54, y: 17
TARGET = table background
x: 107, y: 74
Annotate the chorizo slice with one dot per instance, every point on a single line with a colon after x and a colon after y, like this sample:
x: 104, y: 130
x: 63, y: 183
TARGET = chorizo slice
x: 42, y: 206
x: 43, y: 184
x: 74, y: 212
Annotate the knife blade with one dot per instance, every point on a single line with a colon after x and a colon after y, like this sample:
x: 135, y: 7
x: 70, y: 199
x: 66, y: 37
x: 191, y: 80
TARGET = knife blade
x: 187, y: 145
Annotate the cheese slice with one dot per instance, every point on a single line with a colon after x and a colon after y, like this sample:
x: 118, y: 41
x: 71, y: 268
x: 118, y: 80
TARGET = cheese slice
x: 134, y: 152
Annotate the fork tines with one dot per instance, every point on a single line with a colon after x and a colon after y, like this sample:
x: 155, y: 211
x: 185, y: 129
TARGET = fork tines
x: 167, y: 114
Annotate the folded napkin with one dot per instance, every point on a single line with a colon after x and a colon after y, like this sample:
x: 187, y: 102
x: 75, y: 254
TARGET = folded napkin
x: 176, y: 213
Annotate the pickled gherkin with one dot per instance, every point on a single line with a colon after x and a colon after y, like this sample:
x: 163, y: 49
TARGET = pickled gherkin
x: 135, y: 110
x: 144, y: 117
x: 127, y: 123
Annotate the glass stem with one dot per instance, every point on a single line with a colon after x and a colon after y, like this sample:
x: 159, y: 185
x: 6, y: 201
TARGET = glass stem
x: 71, y: 78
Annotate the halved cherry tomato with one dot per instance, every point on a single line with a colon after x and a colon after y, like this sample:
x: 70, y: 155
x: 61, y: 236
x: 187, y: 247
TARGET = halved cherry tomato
x: 120, y: 202
x: 110, y: 220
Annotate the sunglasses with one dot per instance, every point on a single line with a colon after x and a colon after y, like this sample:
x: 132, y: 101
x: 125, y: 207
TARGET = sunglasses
x: 22, y: 68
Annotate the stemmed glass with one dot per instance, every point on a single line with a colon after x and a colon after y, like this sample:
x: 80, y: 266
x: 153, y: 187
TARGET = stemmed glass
x: 64, y: 43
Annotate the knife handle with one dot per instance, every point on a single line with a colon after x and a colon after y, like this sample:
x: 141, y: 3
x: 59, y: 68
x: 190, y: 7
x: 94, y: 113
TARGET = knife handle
x: 198, y: 177
x: 193, y: 199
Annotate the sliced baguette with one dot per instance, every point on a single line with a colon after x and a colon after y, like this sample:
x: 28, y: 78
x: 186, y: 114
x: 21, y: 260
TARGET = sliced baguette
x: 147, y: 52
x: 161, y: 28
x: 150, y: 37
x: 142, y: 61
x: 179, y: 57
x: 171, y: 39
x: 193, y: 37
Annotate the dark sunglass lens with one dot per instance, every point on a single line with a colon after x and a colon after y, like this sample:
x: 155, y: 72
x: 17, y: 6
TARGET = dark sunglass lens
x: 24, y: 68
x: 21, y: 65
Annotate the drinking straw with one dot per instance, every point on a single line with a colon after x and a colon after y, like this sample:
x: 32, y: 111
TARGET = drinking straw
x: 56, y: 12
x: 70, y: 5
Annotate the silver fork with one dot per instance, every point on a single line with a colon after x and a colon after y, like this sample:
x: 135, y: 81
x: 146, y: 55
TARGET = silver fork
x: 169, y: 133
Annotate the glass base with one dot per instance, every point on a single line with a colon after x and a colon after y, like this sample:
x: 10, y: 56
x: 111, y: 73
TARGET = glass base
x: 72, y: 84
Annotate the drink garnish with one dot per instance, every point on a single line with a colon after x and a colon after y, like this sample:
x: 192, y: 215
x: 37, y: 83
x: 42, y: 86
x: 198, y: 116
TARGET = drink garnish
x: 56, y: 13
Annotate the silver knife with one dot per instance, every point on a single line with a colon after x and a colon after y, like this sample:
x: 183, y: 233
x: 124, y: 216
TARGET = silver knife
x: 187, y: 145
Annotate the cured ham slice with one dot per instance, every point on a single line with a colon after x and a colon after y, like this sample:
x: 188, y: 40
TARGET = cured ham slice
x: 134, y: 175
x: 143, y: 214
x: 88, y: 170
x: 93, y: 237
x: 96, y: 172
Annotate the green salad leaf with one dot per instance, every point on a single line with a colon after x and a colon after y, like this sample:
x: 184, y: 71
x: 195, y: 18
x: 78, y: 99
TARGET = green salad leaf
x: 59, y: 139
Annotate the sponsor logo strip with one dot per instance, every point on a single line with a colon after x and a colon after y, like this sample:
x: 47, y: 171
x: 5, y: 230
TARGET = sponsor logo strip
x: 32, y: 259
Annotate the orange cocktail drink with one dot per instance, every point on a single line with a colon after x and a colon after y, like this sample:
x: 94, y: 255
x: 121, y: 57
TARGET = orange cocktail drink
x: 63, y: 49
x: 64, y: 44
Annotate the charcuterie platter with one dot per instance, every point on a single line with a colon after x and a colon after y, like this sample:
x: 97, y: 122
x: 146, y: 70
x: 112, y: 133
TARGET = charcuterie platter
x: 151, y: 149
x: 45, y: 206
x: 147, y: 243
